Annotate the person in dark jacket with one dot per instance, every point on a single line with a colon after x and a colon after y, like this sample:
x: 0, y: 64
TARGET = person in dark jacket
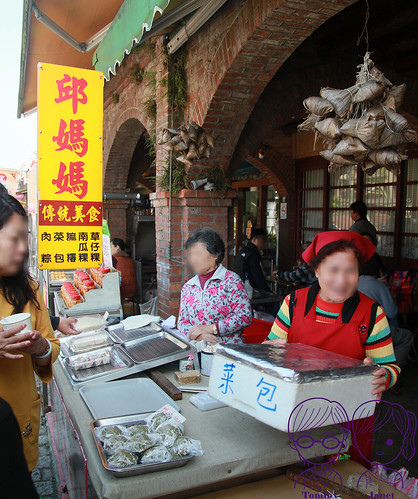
x: 248, y: 260
x: 124, y: 263
x: 361, y: 225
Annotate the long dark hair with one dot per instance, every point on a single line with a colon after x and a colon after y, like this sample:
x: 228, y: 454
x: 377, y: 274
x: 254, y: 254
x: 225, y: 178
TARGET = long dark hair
x: 18, y: 289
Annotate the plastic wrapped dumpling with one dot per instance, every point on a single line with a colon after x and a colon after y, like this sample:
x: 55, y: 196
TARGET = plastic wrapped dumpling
x: 185, y: 446
x: 169, y: 432
x: 157, y: 419
x: 104, y: 432
x: 122, y: 459
x: 137, y: 430
x: 156, y: 454
x: 114, y: 443
x: 141, y: 443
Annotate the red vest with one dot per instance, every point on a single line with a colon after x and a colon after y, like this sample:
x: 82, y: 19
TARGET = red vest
x: 347, y: 336
x: 126, y: 267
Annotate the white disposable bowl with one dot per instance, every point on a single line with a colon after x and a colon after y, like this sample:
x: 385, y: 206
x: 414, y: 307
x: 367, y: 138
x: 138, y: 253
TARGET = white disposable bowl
x: 17, y: 320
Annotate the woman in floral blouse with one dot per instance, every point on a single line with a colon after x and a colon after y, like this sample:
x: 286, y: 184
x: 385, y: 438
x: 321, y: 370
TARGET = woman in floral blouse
x: 214, y: 305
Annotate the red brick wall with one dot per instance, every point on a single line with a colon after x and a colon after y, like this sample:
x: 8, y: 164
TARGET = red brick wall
x: 230, y: 61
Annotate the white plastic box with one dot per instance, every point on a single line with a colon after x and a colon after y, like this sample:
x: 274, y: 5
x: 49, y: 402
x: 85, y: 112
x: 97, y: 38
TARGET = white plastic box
x: 279, y: 384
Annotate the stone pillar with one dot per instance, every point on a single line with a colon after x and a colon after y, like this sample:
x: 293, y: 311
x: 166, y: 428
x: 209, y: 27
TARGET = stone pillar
x: 190, y: 210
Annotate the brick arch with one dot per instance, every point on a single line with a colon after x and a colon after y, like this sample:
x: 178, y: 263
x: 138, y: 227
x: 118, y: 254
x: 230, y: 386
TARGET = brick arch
x: 251, y: 49
x: 120, y: 154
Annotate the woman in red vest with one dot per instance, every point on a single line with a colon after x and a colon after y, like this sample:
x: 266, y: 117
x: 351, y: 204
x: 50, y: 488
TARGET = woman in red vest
x: 126, y: 267
x: 334, y: 316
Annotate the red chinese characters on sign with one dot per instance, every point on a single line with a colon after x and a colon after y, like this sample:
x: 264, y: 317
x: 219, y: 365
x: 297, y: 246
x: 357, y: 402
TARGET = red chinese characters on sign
x: 72, y: 139
x: 73, y: 181
x: 72, y: 88
x: 70, y: 213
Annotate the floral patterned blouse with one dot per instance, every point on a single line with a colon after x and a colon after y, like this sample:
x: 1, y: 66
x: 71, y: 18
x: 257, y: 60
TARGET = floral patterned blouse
x: 223, y: 301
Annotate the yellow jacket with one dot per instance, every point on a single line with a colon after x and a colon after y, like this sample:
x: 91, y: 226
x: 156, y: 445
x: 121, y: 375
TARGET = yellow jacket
x: 17, y: 380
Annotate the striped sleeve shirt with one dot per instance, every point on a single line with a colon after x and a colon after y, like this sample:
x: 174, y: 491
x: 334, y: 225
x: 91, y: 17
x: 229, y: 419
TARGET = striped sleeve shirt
x: 378, y: 345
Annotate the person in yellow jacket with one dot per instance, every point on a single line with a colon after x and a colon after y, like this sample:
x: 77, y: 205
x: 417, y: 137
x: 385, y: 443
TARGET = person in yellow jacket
x: 27, y: 353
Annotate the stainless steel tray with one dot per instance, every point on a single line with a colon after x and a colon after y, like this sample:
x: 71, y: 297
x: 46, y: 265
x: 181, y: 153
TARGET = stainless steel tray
x: 67, y: 351
x: 160, y: 345
x: 119, y: 361
x: 139, y: 468
x: 120, y: 335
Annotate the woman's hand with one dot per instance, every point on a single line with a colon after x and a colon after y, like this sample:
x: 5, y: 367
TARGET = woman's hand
x: 36, y: 344
x: 203, y: 333
x: 276, y: 341
x: 10, y: 342
x: 66, y: 325
x: 379, y: 381
x: 197, y: 331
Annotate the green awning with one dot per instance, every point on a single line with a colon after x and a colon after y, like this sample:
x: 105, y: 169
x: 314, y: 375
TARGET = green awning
x: 127, y: 28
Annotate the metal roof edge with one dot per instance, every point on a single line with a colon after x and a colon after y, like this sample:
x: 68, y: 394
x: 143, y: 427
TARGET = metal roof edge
x: 26, y: 22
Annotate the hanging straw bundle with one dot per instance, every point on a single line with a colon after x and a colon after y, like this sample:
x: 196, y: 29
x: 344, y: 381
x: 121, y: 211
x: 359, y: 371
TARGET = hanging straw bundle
x: 329, y: 128
x: 318, y: 106
x: 365, y: 128
x: 340, y: 99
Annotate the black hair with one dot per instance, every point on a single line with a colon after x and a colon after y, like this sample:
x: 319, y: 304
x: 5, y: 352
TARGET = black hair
x: 255, y: 232
x: 372, y: 267
x: 335, y: 247
x: 211, y: 239
x: 3, y: 189
x: 117, y: 241
x: 360, y: 208
x: 18, y: 289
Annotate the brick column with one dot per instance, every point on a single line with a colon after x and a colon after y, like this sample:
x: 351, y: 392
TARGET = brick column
x: 190, y: 210
x: 114, y: 211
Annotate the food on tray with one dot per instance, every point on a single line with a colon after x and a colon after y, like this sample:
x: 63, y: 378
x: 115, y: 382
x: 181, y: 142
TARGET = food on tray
x: 122, y: 459
x: 185, y: 446
x: 79, y: 276
x: 140, y: 444
x: 89, y: 323
x: 98, y: 274
x: 137, y: 430
x: 169, y: 432
x: 157, y: 419
x: 86, y: 286
x: 114, y: 442
x: 91, y: 359
x: 156, y: 454
x: 70, y: 295
x: 108, y: 431
x: 88, y: 341
x: 57, y: 276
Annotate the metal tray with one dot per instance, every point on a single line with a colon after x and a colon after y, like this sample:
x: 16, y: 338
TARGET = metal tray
x: 120, y: 335
x: 67, y: 351
x: 160, y: 345
x: 128, y: 396
x: 139, y: 468
x: 119, y: 361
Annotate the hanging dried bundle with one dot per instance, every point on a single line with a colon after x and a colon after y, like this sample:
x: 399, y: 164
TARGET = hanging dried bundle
x: 387, y: 157
x: 333, y: 167
x: 398, y: 93
x: 365, y: 129
x: 329, y: 128
x: 389, y: 138
x: 340, y: 99
x: 370, y: 90
x: 370, y: 168
x: 351, y: 146
x: 338, y: 159
x: 309, y: 123
x: 396, y: 122
x: 318, y: 106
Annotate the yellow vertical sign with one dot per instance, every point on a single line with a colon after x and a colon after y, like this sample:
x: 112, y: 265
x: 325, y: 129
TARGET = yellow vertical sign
x: 70, y: 127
